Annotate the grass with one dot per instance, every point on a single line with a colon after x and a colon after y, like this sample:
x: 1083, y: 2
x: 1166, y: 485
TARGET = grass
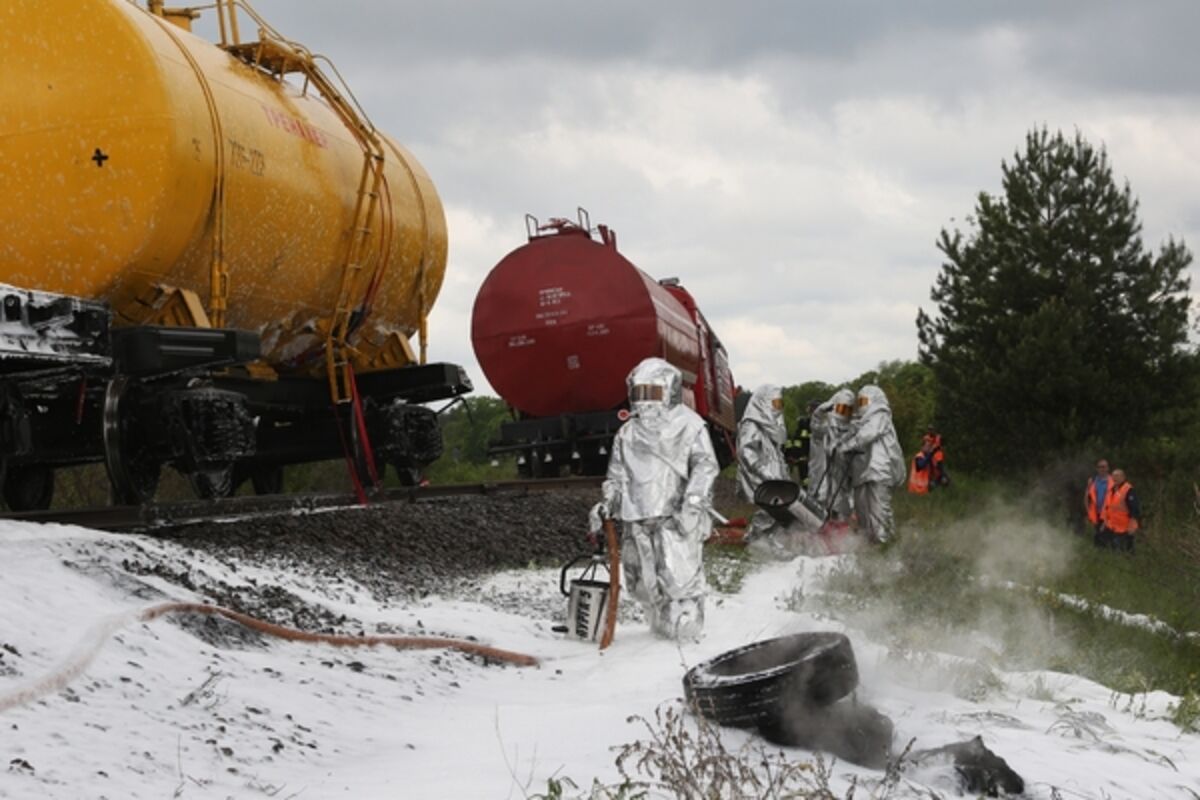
x: 726, y: 567
x: 959, y: 578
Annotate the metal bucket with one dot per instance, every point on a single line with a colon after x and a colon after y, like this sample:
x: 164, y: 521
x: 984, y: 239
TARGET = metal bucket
x: 777, y: 498
x: 587, y: 598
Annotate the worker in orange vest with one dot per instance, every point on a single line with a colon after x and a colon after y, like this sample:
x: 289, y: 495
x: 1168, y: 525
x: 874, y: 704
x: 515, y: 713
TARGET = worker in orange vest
x: 1097, y: 491
x: 931, y: 445
x: 1121, y: 514
x: 927, y: 470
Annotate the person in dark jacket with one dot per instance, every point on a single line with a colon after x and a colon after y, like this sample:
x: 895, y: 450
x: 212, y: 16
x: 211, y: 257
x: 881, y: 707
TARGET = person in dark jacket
x: 795, y: 449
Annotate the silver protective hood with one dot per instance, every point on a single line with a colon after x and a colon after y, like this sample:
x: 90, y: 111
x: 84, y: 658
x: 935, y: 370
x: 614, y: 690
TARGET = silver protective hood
x: 760, y: 438
x: 871, y: 400
x: 656, y: 372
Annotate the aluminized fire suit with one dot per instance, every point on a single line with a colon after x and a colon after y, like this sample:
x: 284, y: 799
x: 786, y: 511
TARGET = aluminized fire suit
x: 760, y: 437
x: 659, y: 485
x: 829, y: 467
x: 877, y: 463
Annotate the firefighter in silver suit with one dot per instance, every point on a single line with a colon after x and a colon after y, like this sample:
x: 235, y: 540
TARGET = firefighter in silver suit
x: 659, y: 486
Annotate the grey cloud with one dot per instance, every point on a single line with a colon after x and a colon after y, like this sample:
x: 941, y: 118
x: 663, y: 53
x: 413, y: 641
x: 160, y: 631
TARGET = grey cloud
x: 1092, y: 43
x: 792, y: 163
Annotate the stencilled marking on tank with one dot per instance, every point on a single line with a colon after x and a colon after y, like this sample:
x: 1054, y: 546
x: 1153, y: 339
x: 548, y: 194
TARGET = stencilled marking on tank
x: 572, y: 362
x: 552, y: 296
x: 245, y: 158
x: 521, y: 340
x: 597, y: 329
x: 100, y: 157
x: 550, y: 317
x: 296, y: 127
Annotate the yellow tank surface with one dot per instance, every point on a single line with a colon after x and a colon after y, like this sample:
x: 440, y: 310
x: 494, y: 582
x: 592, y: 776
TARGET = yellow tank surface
x: 134, y: 155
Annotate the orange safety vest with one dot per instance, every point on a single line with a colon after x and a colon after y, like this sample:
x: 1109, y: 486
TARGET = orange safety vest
x: 918, y: 479
x: 1093, y: 511
x: 1116, y: 510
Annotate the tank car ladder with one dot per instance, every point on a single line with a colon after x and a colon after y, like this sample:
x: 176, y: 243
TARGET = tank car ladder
x: 278, y: 56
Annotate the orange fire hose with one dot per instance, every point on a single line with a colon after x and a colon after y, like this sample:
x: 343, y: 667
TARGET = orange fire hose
x: 614, y: 582
x: 75, y: 666
x: 341, y: 640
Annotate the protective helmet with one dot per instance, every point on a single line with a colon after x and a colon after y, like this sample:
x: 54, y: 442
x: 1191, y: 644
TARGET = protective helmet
x: 843, y: 405
x: 766, y: 410
x: 654, y: 386
x: 870, y: 398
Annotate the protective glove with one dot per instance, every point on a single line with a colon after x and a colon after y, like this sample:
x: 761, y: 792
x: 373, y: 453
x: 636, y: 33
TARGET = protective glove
x: 692, y: 515
x: 596, y: 517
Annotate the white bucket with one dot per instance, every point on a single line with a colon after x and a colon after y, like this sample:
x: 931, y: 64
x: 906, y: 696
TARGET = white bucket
x: 586, y: 606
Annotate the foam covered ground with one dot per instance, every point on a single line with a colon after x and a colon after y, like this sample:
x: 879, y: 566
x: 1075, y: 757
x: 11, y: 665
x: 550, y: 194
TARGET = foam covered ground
x: 197, y: 708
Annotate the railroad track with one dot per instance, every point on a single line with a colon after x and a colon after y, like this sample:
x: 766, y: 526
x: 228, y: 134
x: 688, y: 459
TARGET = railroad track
x: 168, y: 516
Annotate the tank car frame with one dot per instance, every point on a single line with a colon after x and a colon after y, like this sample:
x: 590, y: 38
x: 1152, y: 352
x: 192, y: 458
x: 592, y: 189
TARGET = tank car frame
x: 74, y: 390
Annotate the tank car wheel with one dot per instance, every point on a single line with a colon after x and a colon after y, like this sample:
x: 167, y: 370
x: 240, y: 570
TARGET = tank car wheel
x: 408, y: 475
x: 212, y: 484
x: 30, y: 488
x: 267, y: 480
x: 132, y: 473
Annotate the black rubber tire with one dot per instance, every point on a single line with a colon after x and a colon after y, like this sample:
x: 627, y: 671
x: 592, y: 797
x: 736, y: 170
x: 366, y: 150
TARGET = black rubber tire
x: 749, y: 685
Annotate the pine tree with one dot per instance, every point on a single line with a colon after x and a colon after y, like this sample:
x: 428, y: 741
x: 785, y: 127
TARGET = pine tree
x: 1055, y: 328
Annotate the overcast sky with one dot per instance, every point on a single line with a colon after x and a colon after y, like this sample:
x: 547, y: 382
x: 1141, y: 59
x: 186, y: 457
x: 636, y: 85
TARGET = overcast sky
x: 791, y: 162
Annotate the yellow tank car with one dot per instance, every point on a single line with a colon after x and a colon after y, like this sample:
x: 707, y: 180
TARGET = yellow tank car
x: 204, y: 247
x: 120, y: 136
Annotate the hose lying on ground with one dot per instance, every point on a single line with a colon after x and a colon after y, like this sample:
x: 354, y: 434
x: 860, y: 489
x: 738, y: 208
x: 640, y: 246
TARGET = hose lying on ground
x: 75, y: 664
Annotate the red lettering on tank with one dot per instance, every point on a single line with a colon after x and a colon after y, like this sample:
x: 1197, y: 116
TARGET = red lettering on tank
x: 296, y: 127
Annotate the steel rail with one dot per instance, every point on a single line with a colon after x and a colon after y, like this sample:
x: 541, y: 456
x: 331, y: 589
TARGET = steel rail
x: 170, y: 516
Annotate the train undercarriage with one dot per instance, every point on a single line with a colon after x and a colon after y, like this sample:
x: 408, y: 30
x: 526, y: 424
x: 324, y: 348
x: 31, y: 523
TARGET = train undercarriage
x: 74, y: 390
x: 574, y: 444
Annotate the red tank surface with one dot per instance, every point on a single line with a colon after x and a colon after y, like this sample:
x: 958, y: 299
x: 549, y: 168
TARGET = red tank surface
x: 561, y: 321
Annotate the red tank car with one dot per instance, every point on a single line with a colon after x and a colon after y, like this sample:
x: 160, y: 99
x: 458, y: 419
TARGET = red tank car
x: 557, y: 326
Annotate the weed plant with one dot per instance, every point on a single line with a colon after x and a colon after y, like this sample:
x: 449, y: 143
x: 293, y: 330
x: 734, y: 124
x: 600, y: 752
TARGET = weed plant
x: 686, y: 757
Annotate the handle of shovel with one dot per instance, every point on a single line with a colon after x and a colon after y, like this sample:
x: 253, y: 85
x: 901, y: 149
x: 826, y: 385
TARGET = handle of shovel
x: 614, y: 583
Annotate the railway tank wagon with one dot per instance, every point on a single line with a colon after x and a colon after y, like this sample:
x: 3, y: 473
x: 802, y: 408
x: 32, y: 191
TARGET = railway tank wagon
x: 558, y: 324
x: 209, y: 257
